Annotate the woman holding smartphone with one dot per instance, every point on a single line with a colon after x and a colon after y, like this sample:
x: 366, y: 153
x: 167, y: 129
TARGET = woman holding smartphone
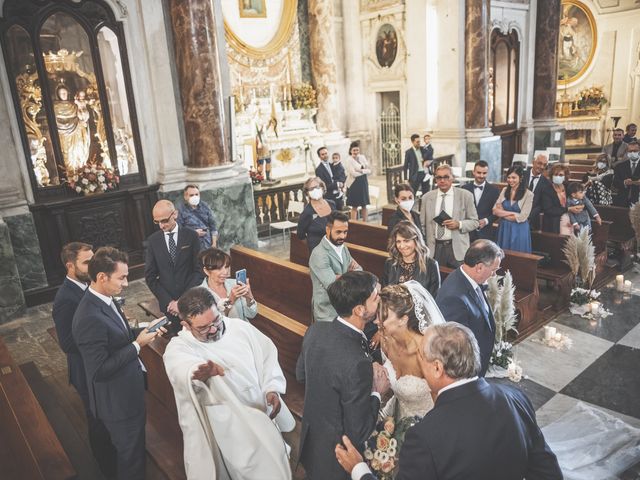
x: 234, y: 299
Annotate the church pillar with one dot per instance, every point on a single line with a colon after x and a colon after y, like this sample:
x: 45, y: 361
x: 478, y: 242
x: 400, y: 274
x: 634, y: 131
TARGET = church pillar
x: 482, y: 144
x: 323, y: 63
x: 547, y: 130
x: 197, y: 52
x: 353, y: 70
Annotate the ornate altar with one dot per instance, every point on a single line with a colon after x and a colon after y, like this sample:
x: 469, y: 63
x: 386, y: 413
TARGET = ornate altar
x: 582, y: 117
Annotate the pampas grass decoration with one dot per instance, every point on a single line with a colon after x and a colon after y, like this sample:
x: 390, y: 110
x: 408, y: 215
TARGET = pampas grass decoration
x: 493, y: 292
x: 580, y: 255
x: 502, y: 301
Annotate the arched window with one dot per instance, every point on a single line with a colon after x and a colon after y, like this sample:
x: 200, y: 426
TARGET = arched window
x: 67, y: 65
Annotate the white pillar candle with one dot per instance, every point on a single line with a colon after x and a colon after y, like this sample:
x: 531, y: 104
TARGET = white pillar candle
x: 549, y: 332
x: 620, y: 282
x: 558, y: 336
x: 627, y: 286
x: 595, y: 306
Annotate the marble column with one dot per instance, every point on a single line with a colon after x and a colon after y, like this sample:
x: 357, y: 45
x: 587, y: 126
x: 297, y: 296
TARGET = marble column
x: 353, y: 70
x: 197, y: 51
x: 323, y: 63
x: 12, y: 301
x: 547, y: 130
x: 481, y: 143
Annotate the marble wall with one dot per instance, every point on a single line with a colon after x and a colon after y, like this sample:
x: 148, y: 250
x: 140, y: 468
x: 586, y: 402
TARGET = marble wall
x: 305, y: 49
x: 11, y: 296
x: 234, y: 212
x: 26, y: 249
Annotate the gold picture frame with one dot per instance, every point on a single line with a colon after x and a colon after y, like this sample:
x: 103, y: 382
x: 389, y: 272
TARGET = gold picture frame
x: 252, y: 8
x: 577, y: 42
x: 277, y: 43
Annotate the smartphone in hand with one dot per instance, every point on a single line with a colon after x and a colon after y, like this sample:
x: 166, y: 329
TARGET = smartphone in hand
x: 241, y: 276
x: 161, y: 323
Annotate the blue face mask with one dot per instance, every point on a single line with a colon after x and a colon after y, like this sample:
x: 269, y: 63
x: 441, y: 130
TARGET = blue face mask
x: 558, y: 179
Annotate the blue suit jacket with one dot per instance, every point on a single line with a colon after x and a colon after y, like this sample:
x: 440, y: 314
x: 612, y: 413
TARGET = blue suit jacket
x: 460, y: 303
x: 490, y: 194
x: 478, y: 430
x: 64, y: 307
x: 114, y: 375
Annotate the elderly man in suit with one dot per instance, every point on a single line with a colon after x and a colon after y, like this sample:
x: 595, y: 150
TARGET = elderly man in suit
x: 342, y: 385
x: 328, y: 261
x: 448, y: 239
x: 485, y: 196
x: 324, y: 172
x: 461, y: 297
x: 75, y: 257
x: 626, y: 177
x: 475, y: 430
x: 171, y: 262
x: 541, y: 187
x: 617, y: 149
x: 110, y: 349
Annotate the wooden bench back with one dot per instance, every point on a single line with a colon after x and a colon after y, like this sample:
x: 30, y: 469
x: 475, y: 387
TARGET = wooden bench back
x: 278, y: 284
x: 523, y: 268
x: 368, y: 235
x: 30, y: 447
x: 550, y: 243
x: 298, y: 250
x: 620, y: 229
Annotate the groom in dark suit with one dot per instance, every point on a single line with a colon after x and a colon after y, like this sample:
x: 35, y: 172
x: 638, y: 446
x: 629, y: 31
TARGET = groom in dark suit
x: 476, y: 430
x: 171, y: 262
x: 342, y: 386
x: 461, y: 297
x: 485, y: 196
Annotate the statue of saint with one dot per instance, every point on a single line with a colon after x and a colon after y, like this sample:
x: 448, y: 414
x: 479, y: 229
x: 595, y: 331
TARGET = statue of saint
x: 72, y: 120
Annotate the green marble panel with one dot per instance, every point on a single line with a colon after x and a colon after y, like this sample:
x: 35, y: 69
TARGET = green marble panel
x: 489, y: 150
x: 26, y: 249
x: 11, y: 297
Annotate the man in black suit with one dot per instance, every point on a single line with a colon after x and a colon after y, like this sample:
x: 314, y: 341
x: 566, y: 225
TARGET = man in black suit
x: 461, y: 297
x: 484, y: 197
x: 476, y: 430
x: 109, y: 349
x: 541, y: 188
x: 340, y: 176
x: 414, y: 164
x: 171, y: 262
x: 75, y: 257
x: 626, y: 177
x: 325, y: 173
x: 342, y: 386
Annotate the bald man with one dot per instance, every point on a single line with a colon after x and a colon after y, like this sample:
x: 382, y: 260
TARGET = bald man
x: 171, y: 261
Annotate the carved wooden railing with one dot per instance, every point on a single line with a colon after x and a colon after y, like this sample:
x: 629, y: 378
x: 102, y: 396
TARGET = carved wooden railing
x: 272, y: 204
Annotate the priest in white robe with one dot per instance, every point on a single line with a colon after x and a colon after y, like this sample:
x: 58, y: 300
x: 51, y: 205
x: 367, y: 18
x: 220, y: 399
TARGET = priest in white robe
x: 227, y: 384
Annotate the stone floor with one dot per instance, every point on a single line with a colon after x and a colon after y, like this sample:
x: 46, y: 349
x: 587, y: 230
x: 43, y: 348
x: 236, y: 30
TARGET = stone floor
x: 600, y: 369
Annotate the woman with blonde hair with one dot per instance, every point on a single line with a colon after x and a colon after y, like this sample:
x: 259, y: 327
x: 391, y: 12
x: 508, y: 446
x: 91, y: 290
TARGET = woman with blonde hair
x: 409, y: 259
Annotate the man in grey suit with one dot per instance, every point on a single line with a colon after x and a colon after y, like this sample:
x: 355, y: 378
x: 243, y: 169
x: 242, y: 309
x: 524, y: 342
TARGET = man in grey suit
x: 329, y: 260
x: 617, y: 149
x: 342, y: 384
x: 448, y: 240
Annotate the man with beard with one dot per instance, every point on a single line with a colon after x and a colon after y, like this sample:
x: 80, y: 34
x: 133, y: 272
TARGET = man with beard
x: 75, y: 257
x: 328, y: 261
x: 227, y: 383
x: 342, y: 385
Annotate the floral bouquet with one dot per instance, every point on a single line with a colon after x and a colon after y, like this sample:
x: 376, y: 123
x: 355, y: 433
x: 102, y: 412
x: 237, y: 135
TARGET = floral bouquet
x: 92, y: 179
x: 582, y: 296
x: 382, y: 449
x: 592, y: 97
x: 502, y: 354
x: 304, y: 96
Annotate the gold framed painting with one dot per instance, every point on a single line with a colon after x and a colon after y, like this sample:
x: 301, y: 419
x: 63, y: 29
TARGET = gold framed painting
x: 252, y: 8
x: 577, y: 41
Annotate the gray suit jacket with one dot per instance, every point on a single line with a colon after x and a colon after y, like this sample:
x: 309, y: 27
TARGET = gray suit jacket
x: 464, y: 211
x: 622, y: 150
x: 324, y: 265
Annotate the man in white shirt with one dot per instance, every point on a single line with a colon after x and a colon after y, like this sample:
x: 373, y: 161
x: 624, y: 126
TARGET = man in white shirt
x: 475, y: 430
x: 447, y: 215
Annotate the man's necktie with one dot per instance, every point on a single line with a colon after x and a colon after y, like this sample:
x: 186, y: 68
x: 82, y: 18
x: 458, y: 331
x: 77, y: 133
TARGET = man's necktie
x: 633, y: 166
x: 364, y: 343
x: 173, y: 248
x: 483, y: 302
x: 440, y: 228
x: 531, y: 183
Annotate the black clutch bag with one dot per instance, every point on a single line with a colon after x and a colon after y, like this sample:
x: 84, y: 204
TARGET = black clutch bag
x: 442, y: 216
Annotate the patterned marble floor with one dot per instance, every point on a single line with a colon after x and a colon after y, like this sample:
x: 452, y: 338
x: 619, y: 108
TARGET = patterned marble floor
x: 600, y: 369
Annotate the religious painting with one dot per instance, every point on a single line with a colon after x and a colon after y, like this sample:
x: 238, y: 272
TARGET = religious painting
x: 577, y: 42
x: 386, y: 45
x: 253, y: 8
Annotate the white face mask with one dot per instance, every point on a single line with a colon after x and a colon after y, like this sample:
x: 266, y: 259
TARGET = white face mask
x: 558, y: 179
x: 633, y: 155
x: 407, y: 205
x: 315, y: 194
x: 194, y: 200
x: 601, y: 165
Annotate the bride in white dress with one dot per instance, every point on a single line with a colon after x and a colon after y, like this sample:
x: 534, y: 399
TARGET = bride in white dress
x: 405, y: 311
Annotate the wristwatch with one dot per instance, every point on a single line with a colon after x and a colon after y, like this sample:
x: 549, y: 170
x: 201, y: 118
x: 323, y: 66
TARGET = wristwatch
x: 251, y: 301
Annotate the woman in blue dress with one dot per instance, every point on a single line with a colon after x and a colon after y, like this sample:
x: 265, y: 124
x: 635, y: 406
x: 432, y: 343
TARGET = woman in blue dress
x: 513, y: 208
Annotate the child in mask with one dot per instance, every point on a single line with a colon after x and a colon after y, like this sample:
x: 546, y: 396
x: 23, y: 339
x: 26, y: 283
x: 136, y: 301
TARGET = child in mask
x: 582, y: 219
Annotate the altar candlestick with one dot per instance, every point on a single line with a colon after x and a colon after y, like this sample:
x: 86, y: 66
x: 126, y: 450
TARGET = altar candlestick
x: 620, y: 283
x: 627, y: 286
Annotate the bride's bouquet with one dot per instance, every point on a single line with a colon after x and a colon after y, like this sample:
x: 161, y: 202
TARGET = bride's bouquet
x: 382, y: 449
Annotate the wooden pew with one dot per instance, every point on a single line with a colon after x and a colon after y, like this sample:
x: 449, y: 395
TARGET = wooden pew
x: 557, y: 271
x: 278, y: 284
x: 368, y: 235
x: 622, y: 236
x: 30, y: 447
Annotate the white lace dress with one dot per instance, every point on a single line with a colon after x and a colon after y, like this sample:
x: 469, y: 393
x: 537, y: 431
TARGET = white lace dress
x: 411, y: 395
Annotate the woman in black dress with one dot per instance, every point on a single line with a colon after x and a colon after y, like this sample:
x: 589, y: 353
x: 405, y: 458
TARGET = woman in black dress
x: 312, y: 223
x: 357, y: 182
x: 409, y: 259
x: 404, y: 197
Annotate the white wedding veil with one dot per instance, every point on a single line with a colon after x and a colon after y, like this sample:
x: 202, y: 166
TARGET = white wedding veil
x: 426, y: 309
